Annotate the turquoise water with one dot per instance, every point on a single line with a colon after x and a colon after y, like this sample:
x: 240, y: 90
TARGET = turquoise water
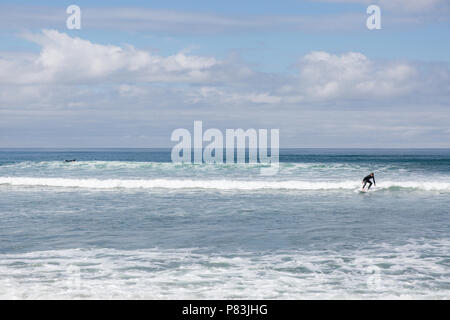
x: 131, y: 224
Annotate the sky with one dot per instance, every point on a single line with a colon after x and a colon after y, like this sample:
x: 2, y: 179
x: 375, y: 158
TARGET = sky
x: 137, y: 70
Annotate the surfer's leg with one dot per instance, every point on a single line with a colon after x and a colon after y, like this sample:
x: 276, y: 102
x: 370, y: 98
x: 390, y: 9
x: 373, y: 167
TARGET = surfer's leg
x: 364, y: 185
x: 370, y: 184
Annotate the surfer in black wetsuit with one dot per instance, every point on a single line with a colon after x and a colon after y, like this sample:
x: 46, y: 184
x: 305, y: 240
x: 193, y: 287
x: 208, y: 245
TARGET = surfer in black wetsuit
x: 367, y: 179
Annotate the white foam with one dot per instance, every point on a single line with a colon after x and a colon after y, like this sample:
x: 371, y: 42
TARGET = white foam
x: 117, y: 165
x: 216, y: 184
x: 413, y: 270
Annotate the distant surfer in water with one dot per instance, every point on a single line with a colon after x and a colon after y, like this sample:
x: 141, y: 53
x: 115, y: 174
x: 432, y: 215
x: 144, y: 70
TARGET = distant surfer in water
x: 73, y: 160
x: 367, y: 179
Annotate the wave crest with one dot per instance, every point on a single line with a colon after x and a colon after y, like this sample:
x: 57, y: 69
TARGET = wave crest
x: 216, y: 184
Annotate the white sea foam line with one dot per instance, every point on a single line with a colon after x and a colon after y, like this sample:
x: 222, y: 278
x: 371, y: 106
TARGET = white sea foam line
x: 130, y: 164
x: 409, y: 271
x: 150, y: 164
x: 214, y: 184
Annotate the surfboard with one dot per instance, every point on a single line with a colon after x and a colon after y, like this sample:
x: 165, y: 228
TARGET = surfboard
x: 360, y: 190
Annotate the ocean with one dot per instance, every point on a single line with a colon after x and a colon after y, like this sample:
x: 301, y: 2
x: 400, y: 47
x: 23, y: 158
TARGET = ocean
x: 130, y: 224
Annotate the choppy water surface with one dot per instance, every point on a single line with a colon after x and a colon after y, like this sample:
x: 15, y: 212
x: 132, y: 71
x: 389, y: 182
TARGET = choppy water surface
x: 131, y: 224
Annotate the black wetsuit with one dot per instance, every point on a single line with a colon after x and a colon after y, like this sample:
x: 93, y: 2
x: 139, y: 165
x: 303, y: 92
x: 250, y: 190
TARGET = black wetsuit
x: 367, y: 179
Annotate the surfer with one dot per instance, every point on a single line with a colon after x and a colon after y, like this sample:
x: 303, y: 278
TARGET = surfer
x: 367, y: 179
x: 73, y: 160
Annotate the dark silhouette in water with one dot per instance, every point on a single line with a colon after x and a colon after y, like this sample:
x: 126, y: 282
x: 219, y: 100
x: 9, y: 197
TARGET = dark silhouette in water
x: 73, y: 160
x: 367, y: 179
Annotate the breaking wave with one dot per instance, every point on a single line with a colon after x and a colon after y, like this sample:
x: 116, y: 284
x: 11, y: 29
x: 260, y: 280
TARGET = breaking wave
x: 373, y: 272
x: 217, y: 184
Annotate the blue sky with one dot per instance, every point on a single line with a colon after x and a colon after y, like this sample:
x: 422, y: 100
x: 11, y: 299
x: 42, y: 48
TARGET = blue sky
x: 139, y: 69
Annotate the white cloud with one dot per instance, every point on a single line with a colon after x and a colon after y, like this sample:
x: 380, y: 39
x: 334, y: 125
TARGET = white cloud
x: 232, y: 96
x: 399, y: 5
x: 321, y: 76
x: 108, y: 92
x: 65, y: 59
x: 324, y: 75
x: 401, y: 13
x: 172, y: 21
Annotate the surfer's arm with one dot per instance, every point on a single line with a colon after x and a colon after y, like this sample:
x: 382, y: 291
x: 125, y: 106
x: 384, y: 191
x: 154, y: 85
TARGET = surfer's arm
x: 374, y: 181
